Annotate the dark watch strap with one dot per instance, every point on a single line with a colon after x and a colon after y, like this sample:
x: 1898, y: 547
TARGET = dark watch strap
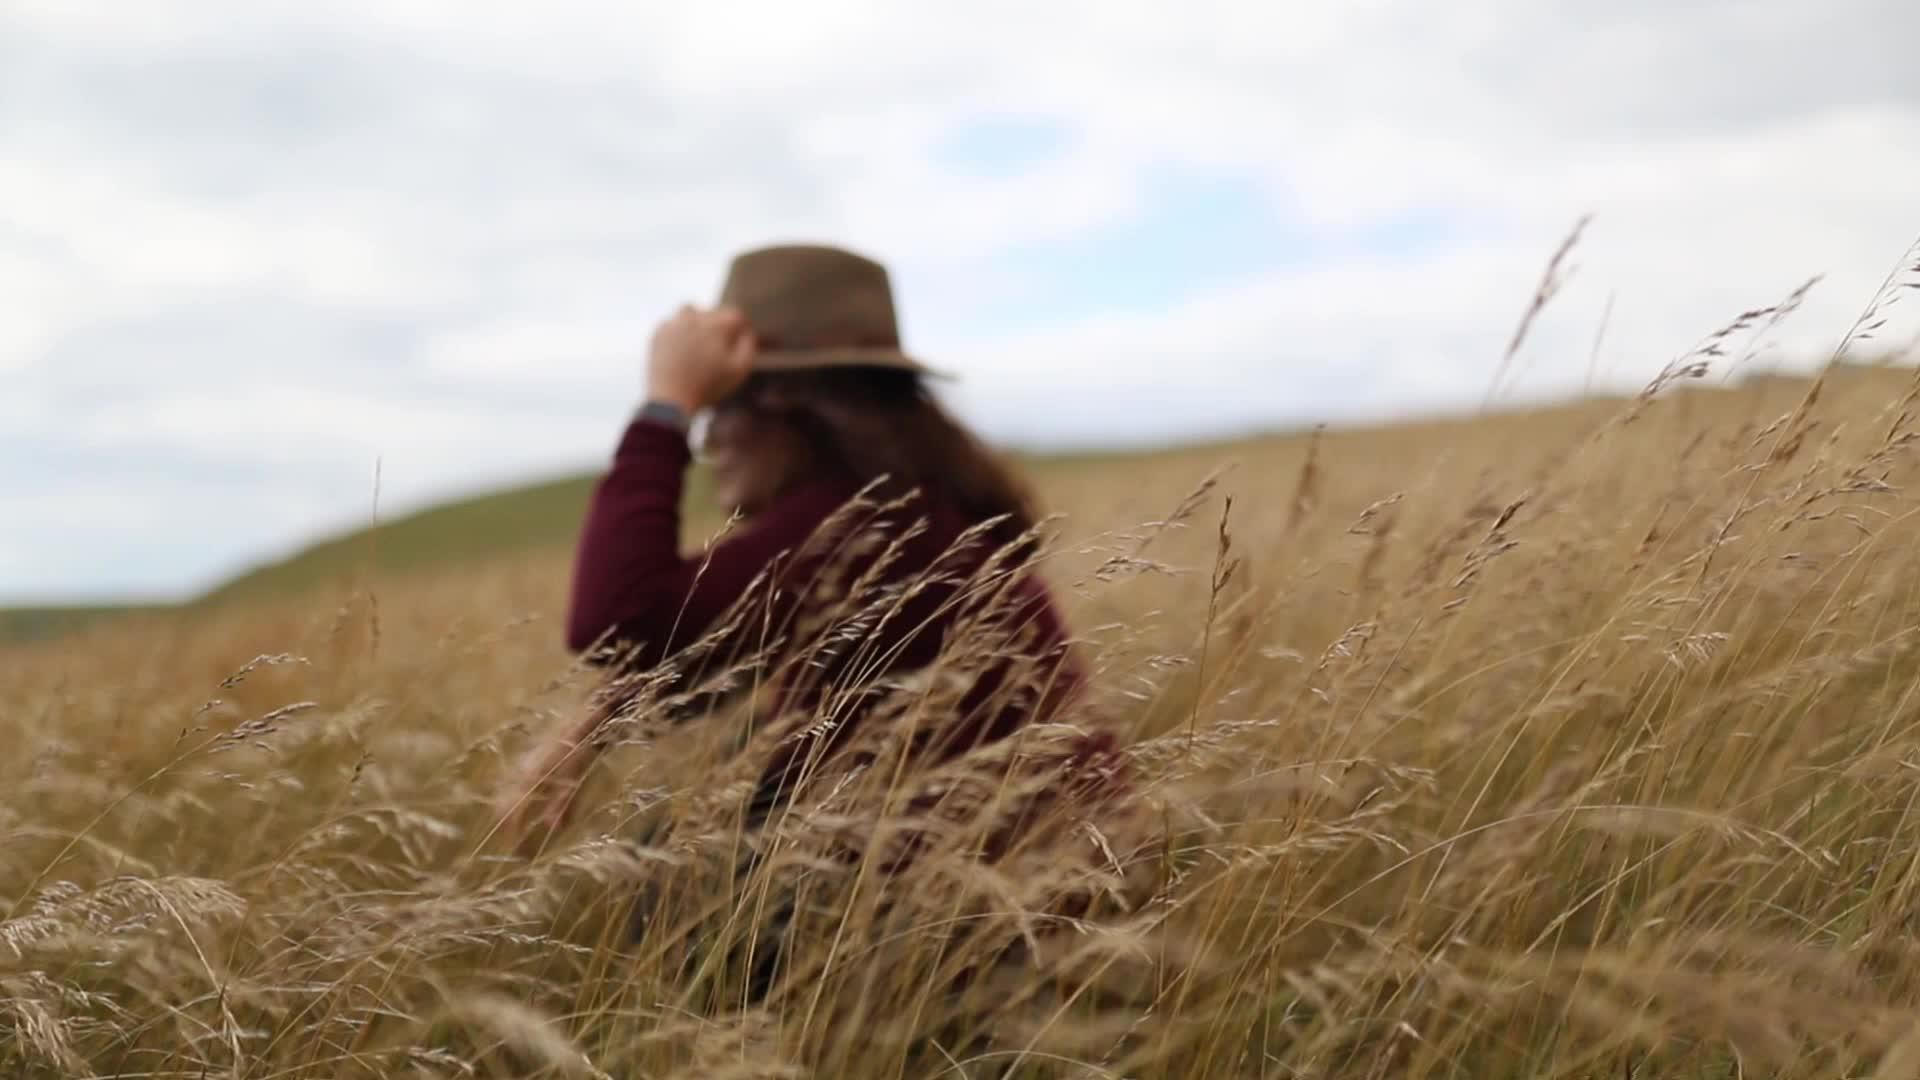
x: 664, y: 413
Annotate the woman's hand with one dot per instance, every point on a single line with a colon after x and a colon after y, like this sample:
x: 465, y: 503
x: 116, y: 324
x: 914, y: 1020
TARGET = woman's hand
x: 540, y: 802
x: 699, y: 357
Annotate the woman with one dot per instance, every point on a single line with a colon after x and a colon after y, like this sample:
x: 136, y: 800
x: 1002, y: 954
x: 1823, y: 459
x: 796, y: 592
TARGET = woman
x: 880, y: 540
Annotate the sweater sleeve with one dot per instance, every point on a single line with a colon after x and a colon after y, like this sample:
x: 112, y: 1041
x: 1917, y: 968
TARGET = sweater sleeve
x: 632, y: 589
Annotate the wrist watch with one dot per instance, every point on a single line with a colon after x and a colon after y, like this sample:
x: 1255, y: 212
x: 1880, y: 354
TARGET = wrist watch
x: 661, y: 412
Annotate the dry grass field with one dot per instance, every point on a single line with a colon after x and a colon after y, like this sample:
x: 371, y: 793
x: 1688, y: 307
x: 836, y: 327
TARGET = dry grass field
x: 1579, y: 742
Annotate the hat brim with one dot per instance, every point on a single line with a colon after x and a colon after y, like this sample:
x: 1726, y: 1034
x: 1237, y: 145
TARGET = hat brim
x: 815, y: 359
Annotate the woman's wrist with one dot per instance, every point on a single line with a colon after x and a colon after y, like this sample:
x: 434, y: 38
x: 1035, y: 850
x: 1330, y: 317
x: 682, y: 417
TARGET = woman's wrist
x: 674, y: 392
x: 664, y: 412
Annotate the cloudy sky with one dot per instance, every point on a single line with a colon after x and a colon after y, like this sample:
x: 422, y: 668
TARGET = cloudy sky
x: 248, y: 249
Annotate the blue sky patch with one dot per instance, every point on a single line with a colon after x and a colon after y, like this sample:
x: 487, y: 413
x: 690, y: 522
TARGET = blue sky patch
x: 1001, y: 145
x: 1194, y: 233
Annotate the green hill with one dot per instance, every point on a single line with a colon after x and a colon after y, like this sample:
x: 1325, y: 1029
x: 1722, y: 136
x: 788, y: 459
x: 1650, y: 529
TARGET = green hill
x: 548, y: 514
x: 35, y: 623
x: 448, y: 534
x: 519, y: 519
x: 469, y: 530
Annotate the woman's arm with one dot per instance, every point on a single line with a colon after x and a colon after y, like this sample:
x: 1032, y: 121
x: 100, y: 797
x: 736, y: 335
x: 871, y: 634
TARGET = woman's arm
x: 634, y: 591
x: 628, y: 570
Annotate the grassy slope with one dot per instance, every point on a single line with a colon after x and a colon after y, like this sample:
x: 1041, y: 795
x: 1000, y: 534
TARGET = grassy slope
x: 39, y: 623
x: 471, y: 531
x: 442, y: 536
x: 461, y: 532
x: 446, y: 536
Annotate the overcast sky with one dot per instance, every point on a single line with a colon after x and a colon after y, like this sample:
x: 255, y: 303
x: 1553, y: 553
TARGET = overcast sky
x: 249, y: 248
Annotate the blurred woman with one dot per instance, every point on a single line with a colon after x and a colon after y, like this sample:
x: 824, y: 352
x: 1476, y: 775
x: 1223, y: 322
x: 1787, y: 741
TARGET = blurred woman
x: 879, y: 537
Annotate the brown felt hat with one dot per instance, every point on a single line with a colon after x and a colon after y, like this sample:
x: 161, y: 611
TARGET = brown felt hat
x: 815, y: 306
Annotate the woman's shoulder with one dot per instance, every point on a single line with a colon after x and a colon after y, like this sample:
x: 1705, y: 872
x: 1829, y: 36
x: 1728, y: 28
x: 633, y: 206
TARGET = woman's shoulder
x: 875, y: 505
x: 834, y: 510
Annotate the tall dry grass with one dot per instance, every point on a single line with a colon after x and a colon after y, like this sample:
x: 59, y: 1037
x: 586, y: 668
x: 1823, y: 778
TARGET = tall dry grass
x: 1584, y: 742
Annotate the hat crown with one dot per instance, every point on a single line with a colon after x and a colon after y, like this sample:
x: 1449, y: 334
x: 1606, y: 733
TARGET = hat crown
x: 810, y: 296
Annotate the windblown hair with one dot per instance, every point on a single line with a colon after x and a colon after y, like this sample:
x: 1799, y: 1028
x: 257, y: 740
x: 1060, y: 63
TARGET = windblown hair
x: 882, y: 422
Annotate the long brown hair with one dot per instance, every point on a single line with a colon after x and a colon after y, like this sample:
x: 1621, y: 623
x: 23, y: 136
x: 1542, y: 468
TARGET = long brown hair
x: 880, y: 422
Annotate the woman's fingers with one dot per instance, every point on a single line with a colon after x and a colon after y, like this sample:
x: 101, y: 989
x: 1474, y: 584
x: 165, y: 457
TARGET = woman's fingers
x: 739, y: 359
x: 531, y: 820
x: 700, y: 356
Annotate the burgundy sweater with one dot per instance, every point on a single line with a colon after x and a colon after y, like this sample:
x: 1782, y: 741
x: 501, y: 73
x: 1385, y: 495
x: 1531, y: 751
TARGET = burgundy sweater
x: 634, y: 590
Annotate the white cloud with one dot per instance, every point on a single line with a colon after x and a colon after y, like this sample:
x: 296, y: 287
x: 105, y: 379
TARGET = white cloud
x: 297, y: 236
